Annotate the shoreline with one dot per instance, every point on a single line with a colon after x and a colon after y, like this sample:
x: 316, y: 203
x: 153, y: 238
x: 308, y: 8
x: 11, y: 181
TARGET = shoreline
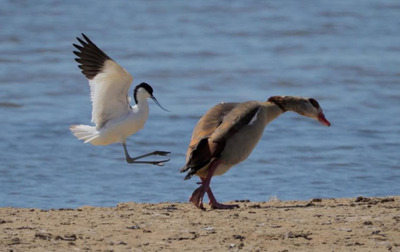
x: 356, y: 224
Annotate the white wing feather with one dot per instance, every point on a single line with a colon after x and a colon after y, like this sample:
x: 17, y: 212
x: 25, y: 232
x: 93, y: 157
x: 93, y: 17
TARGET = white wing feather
x: 109, y: 93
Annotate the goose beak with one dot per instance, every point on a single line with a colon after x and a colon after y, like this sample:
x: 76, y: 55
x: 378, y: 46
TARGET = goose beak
x: 156, y: 102
x: 322, y: 119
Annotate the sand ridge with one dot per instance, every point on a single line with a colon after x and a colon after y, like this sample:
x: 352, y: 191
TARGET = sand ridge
x: 352, y: 224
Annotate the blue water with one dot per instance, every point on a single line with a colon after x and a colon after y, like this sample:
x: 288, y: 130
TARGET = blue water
x: 345, y: 54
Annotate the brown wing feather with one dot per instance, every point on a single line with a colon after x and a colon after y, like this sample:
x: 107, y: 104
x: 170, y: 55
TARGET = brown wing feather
x: 201, y: 150
x: 210, y: 121
x: 235, y: 120
x: 213, y: 129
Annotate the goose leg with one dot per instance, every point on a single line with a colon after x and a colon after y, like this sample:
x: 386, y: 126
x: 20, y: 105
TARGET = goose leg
x: 197, y: 197
x: 215, y: 204
x: 134, y: 160
x: 198, y: 194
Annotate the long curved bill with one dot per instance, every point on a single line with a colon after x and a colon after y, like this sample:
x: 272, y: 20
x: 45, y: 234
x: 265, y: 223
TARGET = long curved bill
x: 156, y: 102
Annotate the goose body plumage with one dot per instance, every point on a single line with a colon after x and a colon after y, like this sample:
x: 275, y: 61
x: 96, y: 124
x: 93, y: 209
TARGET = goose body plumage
x: 227, y: 134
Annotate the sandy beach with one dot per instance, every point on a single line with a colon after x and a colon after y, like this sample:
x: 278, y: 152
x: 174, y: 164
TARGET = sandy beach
x: 351, y: 224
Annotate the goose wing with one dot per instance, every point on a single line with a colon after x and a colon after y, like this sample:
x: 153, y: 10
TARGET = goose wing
x: 213, y: 130
x: 240, y: 116
x: 109, y: 82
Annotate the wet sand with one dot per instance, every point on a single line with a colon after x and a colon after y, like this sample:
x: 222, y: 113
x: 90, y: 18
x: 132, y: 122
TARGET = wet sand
x: 353, y: 224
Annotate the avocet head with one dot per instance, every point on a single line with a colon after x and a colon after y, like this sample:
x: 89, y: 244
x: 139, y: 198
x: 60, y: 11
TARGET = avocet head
x: 144, y: 91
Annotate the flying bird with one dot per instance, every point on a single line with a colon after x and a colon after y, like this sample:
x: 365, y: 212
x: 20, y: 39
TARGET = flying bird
x: 113, y: 117
x: 227, y: 133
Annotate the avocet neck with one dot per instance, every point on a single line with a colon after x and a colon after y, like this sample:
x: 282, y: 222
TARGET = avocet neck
x: 141, y: 107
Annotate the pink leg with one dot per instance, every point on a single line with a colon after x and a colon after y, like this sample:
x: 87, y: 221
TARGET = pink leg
x: 197, y: 198
x: 198, y: 194
x: 215, y: 204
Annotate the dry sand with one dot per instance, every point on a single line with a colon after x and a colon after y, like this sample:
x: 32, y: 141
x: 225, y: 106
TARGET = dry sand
x: 355, y: 224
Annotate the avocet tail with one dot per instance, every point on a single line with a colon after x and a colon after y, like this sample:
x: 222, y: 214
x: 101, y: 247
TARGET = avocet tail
x: 84, y: 132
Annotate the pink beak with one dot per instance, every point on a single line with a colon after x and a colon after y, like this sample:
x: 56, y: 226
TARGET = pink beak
x: 322, y: 119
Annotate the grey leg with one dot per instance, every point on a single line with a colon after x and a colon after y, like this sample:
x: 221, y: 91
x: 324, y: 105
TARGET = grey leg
x: 134, y: 160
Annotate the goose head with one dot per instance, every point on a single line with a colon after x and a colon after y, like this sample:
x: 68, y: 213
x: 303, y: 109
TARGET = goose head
x: 304, y: 106
x: 311, y: 108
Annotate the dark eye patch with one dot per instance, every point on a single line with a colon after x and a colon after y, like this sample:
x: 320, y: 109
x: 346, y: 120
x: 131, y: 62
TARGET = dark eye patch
x: 314, y: 102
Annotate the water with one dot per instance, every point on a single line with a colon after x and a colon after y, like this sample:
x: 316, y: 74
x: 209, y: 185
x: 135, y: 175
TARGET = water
x: 196, y: 54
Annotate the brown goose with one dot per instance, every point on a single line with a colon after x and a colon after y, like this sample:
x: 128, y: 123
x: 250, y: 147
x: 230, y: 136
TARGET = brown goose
x: 227, y: 134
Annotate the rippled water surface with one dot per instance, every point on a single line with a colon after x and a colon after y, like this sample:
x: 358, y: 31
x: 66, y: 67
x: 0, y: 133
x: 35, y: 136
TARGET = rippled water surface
x: 346, y: 54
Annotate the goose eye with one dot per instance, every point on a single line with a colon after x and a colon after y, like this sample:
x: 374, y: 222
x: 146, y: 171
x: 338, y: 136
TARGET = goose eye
x: 314, y: 102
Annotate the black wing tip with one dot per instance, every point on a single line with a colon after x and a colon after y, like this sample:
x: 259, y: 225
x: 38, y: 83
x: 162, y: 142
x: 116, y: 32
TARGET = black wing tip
x: 190, y: 173
x: 188, y: 176
x: 89, y: 48
x: 85, y: 37
x: 87, y: 40
x: 90, y: 58
x: 81, y: 41
x: 184, y: 168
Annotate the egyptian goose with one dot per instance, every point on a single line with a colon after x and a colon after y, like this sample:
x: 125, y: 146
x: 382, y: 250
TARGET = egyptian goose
x: 227, y: 133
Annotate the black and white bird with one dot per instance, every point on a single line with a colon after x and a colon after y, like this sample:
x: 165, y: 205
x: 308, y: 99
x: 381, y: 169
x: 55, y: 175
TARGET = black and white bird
x: 113, y: 117
x: 227, y: 134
